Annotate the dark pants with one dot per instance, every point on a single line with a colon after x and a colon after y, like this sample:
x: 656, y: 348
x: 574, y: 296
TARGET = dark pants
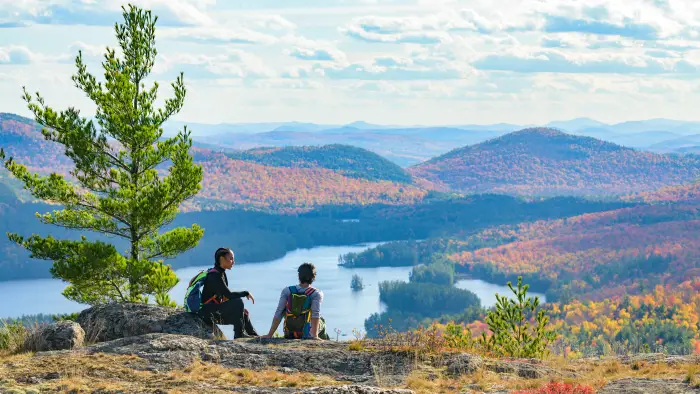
x: 229, y: 312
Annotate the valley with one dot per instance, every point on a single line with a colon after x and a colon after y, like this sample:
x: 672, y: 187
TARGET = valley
x: 592, y: 226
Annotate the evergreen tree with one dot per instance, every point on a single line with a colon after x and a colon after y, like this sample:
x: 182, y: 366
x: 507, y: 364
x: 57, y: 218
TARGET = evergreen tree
x: 118, y: 187
x: 515, y: 334
x: 357, y: 283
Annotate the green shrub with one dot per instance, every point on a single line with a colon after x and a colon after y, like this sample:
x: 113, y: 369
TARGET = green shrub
x: 517, y: 329
x: 12, y: 336
x: 66, y: 316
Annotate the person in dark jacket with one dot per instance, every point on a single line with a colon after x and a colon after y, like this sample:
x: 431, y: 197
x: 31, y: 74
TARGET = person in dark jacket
x: 221, y: 305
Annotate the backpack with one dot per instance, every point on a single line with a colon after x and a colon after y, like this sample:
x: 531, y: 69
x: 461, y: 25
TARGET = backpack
x: 193, y: 295
x: 297, y: 319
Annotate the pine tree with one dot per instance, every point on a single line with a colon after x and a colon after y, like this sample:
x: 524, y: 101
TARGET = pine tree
x: 119, y: 185
x: 514, y: 334
x: 357, y: 283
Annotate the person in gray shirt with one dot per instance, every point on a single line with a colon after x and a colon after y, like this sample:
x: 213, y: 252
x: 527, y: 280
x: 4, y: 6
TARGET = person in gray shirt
x: 313, y: 325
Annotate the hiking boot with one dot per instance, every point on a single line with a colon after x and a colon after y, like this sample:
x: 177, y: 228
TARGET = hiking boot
x: 243, y: 335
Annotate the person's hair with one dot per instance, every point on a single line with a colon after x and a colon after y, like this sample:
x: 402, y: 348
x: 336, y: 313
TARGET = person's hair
x: 307, y: 273
x: 221, y: 252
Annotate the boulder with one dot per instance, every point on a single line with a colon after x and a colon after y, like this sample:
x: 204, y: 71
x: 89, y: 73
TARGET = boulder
x: 463, y: 364
x: 63, y: 335
x: 108, y: 322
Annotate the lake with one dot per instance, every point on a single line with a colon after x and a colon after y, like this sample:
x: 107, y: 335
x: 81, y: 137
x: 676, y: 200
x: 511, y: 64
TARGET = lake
x: 342, y: 308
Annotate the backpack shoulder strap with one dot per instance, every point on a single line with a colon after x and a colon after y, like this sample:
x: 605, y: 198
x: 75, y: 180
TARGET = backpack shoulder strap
x: 292, y: 291
x: 195, y: 278
x: 307, y: 302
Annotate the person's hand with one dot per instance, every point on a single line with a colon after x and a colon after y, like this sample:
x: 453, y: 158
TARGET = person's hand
x: 250, y: 297
x: 266, y: 336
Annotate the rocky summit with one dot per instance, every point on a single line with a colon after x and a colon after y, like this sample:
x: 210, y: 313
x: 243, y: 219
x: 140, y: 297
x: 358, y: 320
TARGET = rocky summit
x: 150, y: 358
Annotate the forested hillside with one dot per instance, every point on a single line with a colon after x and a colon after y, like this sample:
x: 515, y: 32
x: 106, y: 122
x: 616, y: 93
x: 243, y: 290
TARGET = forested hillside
x: 670, y: 194
x: 230, y: 183
x: 21, y: 139
x: 626, y: 277
x: 259, y: 236
x: 597, y: 255
x: 287, y: 180
x: 347, y: 160
x: 549, y: 162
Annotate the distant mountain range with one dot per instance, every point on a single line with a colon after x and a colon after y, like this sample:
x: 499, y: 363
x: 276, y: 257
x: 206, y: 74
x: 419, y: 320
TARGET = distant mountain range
x: 300, y: 171
x: 410, y: 145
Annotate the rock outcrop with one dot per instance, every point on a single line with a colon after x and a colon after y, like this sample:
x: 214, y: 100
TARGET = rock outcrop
x: 115, y: 321
x: 166, y: 352
x: 57, y: 336
x: 151, y: 343
x: 648, y: 386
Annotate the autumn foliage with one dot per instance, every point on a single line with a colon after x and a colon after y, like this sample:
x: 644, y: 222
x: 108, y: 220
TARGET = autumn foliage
x: 677, y: 193
x: 558, y: 388
x: 232, y: 183
x: 627, y: 279
x: 590, y: 245
x: 548, y: 162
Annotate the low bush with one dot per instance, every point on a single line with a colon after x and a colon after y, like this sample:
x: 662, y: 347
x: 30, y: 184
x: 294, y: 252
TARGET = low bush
x: 12, y: 336
x: 558, y: 388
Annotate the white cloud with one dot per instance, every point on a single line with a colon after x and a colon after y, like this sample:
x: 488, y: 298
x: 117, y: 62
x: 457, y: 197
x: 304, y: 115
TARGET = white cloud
x: 187, y: 12
x: 16, y: 55
x: 233, y: 63
x: 517, y: 60
x: 218, y: 35
x: 273, y: 22
x: 89, y: 49
x: 21, y: 55
x: 305, y: 49
x: 555, y: 61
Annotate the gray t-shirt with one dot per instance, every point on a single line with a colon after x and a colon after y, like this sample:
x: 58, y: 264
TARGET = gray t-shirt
x: 316, y: 300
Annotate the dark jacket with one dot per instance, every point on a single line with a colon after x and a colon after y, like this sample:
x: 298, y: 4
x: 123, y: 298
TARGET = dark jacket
x: 216, y: 288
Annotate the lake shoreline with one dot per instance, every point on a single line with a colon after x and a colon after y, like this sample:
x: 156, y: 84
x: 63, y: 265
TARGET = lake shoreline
x: 179, y: 267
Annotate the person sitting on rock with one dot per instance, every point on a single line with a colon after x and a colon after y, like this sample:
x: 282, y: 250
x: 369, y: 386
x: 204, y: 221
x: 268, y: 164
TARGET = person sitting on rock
x: 221, y: 305
x: 300, y: 306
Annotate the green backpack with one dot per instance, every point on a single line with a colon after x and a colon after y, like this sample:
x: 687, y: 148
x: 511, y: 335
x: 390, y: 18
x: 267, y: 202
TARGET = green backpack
x: 297, y: 318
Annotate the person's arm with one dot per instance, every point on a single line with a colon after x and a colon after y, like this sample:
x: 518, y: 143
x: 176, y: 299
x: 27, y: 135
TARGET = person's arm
x: 316, y: 300
x: 273, y: 327
x: 315, y: 321
x: 277, y: 318
x: 220, y: 288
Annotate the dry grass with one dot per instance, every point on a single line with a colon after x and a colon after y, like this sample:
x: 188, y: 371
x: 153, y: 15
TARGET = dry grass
x: 226, y: 377
x: 693, y: 376
x: 78, y: 372
x: 356, y: 346
x: 595, y: 375
x: 81, y: 373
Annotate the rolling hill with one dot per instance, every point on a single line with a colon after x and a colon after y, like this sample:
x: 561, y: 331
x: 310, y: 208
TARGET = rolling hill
x: 276, y: 180
x: 595, y: 255
x: 347, y: 160
x: 691, y: 142
x: 542, y: 161
x: 403, y: 146
x: 671, y: 194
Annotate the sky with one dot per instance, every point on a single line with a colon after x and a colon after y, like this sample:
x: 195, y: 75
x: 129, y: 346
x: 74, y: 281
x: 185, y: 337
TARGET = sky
x: 382, y: 61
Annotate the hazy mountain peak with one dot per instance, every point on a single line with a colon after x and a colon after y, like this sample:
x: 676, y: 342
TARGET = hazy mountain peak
x: 576, y: 124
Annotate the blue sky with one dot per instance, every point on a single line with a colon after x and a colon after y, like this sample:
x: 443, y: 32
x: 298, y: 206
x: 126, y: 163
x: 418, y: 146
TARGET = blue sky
x: 381, y: 61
